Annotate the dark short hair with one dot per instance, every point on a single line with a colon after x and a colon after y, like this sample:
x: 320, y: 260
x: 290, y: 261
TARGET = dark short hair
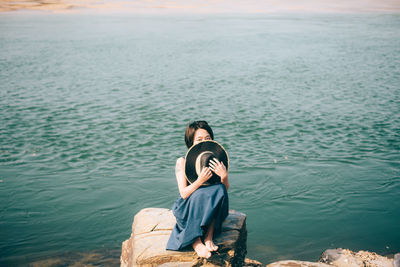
x: 193, y: 127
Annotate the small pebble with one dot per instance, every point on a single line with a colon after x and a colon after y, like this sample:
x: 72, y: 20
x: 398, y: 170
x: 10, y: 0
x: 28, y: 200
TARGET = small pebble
x: 286, y: 157
x: 275, y: 161
x: 1, y: 181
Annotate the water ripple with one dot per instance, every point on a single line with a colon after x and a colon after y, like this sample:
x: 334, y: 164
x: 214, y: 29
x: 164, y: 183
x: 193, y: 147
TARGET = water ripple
x: 93, y: 118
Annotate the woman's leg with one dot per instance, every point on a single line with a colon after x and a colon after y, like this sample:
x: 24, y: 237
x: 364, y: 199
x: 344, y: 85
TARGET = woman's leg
x: 208, y: 240
x: 201, y: 249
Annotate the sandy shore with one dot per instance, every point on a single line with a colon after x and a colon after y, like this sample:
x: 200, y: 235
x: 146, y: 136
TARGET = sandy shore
x: 203, y: 6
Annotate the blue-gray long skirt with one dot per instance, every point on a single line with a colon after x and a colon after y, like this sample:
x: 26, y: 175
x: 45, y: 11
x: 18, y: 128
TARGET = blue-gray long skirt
x: 194, y: 214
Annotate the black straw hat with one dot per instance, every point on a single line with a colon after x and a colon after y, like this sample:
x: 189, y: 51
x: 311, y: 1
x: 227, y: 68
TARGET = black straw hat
x: 199, y: 156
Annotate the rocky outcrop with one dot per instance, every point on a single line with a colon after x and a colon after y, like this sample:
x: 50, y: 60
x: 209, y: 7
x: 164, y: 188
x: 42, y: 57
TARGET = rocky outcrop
x: 152, y: 227
x: 347, y: 258
x: 342, y: 258
x: 150, y: 232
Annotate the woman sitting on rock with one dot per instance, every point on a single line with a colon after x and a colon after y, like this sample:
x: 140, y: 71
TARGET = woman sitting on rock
x: 200, y: 209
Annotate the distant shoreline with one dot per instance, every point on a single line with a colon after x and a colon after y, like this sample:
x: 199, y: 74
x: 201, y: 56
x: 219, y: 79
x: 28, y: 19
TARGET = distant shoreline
x: 195, y: 6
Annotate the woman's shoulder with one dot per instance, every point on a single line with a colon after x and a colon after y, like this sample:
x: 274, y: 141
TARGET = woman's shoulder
x: 180, y: 160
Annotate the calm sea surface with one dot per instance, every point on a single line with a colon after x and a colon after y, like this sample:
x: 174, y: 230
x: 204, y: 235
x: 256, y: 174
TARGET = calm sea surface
x: 93, y: 111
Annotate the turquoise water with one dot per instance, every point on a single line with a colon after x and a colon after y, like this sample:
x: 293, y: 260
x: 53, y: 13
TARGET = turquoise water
x: 93, y: 111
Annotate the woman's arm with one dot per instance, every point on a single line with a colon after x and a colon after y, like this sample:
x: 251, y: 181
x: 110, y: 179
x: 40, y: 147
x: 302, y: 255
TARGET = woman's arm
x: 225, y: 181
x: 186, y: 190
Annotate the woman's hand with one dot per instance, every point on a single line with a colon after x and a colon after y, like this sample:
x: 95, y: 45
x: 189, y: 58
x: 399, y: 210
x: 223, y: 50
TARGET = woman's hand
x: 204, y: 175
x: 218, y: 168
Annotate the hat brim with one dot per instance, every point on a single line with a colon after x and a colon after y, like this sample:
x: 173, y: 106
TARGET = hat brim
x: 192, y: 154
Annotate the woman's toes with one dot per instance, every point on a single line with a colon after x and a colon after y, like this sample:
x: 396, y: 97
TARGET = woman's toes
x: 202, y: 250
x: 211, y: 246
x: 208, y: 255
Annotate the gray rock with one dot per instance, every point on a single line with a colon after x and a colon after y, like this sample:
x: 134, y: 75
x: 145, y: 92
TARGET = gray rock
x: 396, y: 260
x: 152, y: 227
x: 347, y: 258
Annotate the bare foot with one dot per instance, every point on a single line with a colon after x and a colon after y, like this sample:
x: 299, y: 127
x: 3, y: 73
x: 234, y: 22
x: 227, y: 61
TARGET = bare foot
x: 210, y: 245
x: 201, y: 249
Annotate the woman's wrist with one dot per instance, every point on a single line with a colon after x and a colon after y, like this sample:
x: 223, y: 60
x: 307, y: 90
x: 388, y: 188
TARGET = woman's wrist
x: 198, y: 183
x: 224, y: 178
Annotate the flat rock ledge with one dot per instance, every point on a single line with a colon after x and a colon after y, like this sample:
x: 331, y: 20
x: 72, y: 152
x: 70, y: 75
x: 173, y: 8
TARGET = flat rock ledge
x: 152, y: 227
